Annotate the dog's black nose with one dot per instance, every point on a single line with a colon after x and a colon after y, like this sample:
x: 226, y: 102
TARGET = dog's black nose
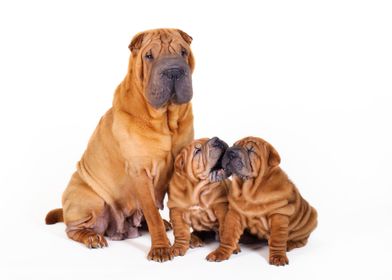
x: 173, y: 73
x: 218, y: 143
x: 214, y: 141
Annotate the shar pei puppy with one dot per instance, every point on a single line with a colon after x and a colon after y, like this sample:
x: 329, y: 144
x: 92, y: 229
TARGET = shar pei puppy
x: 123, y: 175
x: 264, y: 201
x: 196, y: 200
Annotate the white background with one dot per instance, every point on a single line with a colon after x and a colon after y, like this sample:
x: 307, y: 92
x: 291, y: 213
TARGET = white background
x: 311, y: 77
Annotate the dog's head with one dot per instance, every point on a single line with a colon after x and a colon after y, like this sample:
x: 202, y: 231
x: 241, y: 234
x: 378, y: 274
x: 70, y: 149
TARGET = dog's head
x: 250, y: 157
x: 200, y: 158
x: 162, y: 63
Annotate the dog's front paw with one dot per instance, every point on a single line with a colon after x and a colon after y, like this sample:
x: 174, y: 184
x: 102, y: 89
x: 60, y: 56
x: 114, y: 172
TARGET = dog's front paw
x: 160, y: 254
x: 217, y: 256
x: 178, y: 249
x: 278, y: 260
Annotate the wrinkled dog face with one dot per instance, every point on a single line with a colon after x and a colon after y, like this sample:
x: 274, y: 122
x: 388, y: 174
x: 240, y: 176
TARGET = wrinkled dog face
x: 201, y: 158
x: 165, y: 64
x: 207, y: 156
x: 249, y: 157
x: 237, y: 161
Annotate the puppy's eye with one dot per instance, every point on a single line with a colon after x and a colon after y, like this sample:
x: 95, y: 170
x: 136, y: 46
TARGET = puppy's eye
x: 149, y: 56
x: 197, y: 148
x: 184, y: 52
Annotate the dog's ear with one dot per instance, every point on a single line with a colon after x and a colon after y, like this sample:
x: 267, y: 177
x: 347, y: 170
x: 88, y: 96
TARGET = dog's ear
x: 136, y: 42
x: 188, y: 39
x: 185, y: 36
x: 191, y: 61
x: 273, y: 156
x: 179, y: 163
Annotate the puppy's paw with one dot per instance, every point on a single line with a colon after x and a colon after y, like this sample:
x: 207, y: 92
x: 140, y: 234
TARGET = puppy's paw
x: 160, y: 254
x: 278, y: 260
x: 195, y: 241
x: 94, y: 240
x: 178, y: 249
x: 296, y: 244
x: 217, y: 256
x: 217, y: 175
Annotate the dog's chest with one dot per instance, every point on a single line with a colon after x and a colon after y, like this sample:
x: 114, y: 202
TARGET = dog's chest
x: 258, y: 225
x: 200, y: 218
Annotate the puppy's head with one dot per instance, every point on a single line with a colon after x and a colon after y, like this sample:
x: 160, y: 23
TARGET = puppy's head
x: 200, y: 158
x: 250, y: 157
x: 162, y: 64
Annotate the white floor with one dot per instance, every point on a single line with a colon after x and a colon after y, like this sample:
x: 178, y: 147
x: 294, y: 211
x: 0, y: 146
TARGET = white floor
x: 338, y: 248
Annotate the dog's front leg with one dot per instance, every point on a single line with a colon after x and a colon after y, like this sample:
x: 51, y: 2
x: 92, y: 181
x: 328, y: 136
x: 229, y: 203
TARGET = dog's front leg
x: 160, y: 245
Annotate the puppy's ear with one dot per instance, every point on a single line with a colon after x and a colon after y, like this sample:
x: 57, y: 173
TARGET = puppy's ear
x: 185, y: 36
x: 273, y: 156
x: 136, y: 42
x: 179, y: 163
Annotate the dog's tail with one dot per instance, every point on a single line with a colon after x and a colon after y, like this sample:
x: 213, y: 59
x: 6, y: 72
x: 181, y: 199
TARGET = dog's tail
x: 54, y: 216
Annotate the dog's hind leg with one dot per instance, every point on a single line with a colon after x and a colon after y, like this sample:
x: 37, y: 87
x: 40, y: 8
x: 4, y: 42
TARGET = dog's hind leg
x: 85, y: 214
x: 292, y: 244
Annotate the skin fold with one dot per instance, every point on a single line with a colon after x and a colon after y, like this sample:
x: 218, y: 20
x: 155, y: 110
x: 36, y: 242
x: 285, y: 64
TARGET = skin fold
x: 123, y: 175
x: 196, y: 200
x: 264, y: 201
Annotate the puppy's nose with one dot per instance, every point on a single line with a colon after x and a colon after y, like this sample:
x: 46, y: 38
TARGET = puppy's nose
x: 218, y: 143
x: 214, y: 141
x: 173, y: 73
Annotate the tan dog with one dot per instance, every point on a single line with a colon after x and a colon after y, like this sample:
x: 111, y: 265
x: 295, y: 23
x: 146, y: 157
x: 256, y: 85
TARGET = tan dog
x: 123, y: 175
x: 263, y: 200
x: 195, y: 200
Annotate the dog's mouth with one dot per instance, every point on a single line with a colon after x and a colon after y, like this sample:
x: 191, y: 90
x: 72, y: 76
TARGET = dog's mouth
x: 217, y: 173
x: 242, y: 177
x: 218, y: 164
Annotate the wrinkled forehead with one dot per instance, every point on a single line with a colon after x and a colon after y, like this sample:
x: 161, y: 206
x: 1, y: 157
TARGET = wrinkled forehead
x: 249, y: 142
x: 164, y: 40
x: 199, y: 142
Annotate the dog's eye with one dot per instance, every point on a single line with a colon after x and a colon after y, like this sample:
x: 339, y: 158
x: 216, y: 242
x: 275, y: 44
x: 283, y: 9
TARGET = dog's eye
x: 184, y: 52
x: 197, y: 148
x: 197, y: 151
x: 149, y: 56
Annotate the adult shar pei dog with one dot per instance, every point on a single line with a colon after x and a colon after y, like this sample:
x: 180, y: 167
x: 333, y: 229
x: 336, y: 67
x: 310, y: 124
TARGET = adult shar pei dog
x: 123, y: 175
x: 264, y: 201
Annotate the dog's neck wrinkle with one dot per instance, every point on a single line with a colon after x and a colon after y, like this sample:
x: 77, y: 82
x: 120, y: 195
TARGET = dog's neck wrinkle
x: 211, y: 195
x: 255, y: 185
x: 252, y: 186
x: 250, y: 189
x: 190, y: 176
x: 257, y: 205
x: 195, y: 194
x: 204, y: 193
